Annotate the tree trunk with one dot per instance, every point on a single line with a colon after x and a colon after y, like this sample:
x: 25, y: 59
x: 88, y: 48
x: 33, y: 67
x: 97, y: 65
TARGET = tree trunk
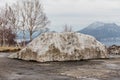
x: 30, y: 36
x: 24, y: 39
x: 3, y: 39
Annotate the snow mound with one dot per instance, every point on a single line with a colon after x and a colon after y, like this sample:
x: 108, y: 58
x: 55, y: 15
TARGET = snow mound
x: 62, y: 47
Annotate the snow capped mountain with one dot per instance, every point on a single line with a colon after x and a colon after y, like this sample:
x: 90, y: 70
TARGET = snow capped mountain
x: 96, y: 25
x: 103, y: 31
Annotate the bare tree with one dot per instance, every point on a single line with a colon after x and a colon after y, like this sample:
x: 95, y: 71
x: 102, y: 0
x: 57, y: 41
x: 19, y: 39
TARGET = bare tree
x: 9, y: 37
x: 32, y: 16
x: 3, y: 24
x: 5, y: 27
x: 13, y: 18
x: 67, y: 28
x: 17, y: 20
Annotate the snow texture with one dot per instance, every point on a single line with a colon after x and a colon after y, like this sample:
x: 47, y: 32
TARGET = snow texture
x: 62, y: 47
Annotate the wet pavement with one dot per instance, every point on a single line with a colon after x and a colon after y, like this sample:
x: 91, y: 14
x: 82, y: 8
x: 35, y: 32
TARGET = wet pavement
x: 100, y: 69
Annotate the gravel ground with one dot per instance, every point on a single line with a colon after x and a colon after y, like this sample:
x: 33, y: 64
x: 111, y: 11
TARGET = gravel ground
x: 13, y: 69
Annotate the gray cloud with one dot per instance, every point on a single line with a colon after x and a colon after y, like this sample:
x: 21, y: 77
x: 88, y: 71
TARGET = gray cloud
x: 9, y: 2
x: 79, y: 13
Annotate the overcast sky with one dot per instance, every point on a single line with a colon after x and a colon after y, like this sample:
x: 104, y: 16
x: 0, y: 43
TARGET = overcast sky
x: 78, y: 13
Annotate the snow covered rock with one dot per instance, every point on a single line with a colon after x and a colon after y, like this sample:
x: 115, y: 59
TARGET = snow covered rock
x: 62, y: 47
x: 114, y: 50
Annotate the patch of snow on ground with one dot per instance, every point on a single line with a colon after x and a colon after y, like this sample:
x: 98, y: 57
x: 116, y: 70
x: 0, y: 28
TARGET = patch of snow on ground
x: 112, y: 66
x: 84, y: 78
x: 4, y: 55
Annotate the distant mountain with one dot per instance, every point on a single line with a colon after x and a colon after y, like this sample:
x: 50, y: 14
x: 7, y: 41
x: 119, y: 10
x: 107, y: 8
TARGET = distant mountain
x: 103, y: 31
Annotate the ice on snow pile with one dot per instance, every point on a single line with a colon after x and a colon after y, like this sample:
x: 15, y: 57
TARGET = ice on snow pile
x: 62, y: 47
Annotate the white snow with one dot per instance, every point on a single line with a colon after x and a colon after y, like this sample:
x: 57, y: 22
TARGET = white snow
x: 57, y: 45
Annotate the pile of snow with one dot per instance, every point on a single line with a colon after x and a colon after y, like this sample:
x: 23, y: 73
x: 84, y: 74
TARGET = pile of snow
x: 62, y: 47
